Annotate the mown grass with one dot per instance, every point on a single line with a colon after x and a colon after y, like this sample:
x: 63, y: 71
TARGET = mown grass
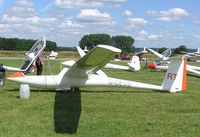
x: 100, y: 111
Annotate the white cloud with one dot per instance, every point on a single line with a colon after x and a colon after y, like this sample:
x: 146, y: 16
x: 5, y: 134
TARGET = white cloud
x: 137, y: 22
x: 22, y: 8
x: 71, y: 27
x: 94, y: 16
x: 30, y: 20
x: 87, y: 3
x: 22, y: 19
x: 127, y: 13
x: 143, y: 35
x: 197, y: 36
x: 77, y: 3
x: 154, y: 37
x: 169, y: 15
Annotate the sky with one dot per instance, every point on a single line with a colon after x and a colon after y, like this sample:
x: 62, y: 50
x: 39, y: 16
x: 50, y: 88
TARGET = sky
x: 152, y: 23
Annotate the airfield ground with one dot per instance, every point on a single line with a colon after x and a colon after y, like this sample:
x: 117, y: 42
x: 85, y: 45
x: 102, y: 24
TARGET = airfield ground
x: 101, y: 111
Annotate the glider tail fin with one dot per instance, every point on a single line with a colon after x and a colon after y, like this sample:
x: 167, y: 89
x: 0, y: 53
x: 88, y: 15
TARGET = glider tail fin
x: 175, y: 78
x: 80, y: 51
x: 198, y: 50
x: 134, y: 65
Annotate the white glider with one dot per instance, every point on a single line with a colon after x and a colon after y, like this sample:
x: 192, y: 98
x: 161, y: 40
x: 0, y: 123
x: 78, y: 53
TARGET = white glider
x: 87, y: 72
x: 190, y: 68
x: 133, y: 65
x: 197, y: 53
x: 161, y: 57
x: 29, y: 60
x: 30, y: 57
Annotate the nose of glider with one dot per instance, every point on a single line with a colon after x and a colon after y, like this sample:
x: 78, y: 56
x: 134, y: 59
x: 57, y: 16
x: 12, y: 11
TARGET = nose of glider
x: 152, y: 65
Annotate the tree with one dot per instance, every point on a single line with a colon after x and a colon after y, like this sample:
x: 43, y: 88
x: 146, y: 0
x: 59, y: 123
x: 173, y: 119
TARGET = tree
x: 92, y: 40
x: 125, y: 43
x: 161, y: 50
x: 180, y: 48
x: 22, y: 44
x: 51, y: 46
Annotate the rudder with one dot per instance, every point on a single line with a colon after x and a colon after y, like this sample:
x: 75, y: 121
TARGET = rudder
x: 134, y: 65
x: 176, y: 75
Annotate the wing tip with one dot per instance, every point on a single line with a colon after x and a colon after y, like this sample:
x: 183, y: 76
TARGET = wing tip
x: 110, y: 48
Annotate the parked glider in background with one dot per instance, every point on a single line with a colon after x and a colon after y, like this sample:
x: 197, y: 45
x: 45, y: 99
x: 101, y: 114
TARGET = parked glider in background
x: 30, y: 57
x: 197, y: 53
x: 161, y: 57
x: 190, y: 68
x: 133, y: 65
x: 29, y: 60
x: 87, y: 72
x: 141, y: 52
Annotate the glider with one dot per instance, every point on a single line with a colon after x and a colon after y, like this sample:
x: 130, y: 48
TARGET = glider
x: 133, y: 65
x: 197, y: 53
x: 87, y: 72
x: 29, y: 60
x: 190, y: 68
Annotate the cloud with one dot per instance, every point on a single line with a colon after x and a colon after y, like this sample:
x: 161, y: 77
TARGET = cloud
x: 169, y: 15
x: 94, y: 16
x: 78, y: 3
x: 22, y: 8
x: 197, y: 36
x: 72, y: 4
x: 143, y: 35
x: 127, y: 13
x: 154, y: 37
x: 69, y: 26
x: 29, y: 20
x: 22, y: 18
x: 137, y: 22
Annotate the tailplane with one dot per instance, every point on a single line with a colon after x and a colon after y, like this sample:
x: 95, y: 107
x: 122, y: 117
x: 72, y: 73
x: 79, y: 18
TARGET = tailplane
x: 175, y: 78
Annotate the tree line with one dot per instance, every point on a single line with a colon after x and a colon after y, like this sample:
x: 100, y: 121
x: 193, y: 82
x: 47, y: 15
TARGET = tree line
x: 15, y: 44
x: 125, y: 43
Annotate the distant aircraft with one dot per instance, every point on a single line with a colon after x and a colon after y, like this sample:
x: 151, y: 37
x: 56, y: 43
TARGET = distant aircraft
x: 197, y: 53
x: 155, y: 65
x: 53, y: 55
x: 29, y: 60
x: 87, y: 72
x: 133, y: 65
x: 161, y: 57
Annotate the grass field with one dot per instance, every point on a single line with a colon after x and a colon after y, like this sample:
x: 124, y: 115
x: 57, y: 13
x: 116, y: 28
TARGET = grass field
x: 101, y: 111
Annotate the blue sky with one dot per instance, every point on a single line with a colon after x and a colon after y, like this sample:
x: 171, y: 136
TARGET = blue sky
x: 152, y: 23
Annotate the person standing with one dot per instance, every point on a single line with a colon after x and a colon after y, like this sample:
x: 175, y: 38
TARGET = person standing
x: 39, y: 65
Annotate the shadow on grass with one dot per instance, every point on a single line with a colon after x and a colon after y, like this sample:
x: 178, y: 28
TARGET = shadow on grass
x: 193, y: 75
x: 67, y: 110
x: 120, y: 92
x: 92, y: 91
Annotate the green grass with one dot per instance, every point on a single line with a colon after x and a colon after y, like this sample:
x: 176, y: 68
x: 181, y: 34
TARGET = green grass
x: 101, y: 111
